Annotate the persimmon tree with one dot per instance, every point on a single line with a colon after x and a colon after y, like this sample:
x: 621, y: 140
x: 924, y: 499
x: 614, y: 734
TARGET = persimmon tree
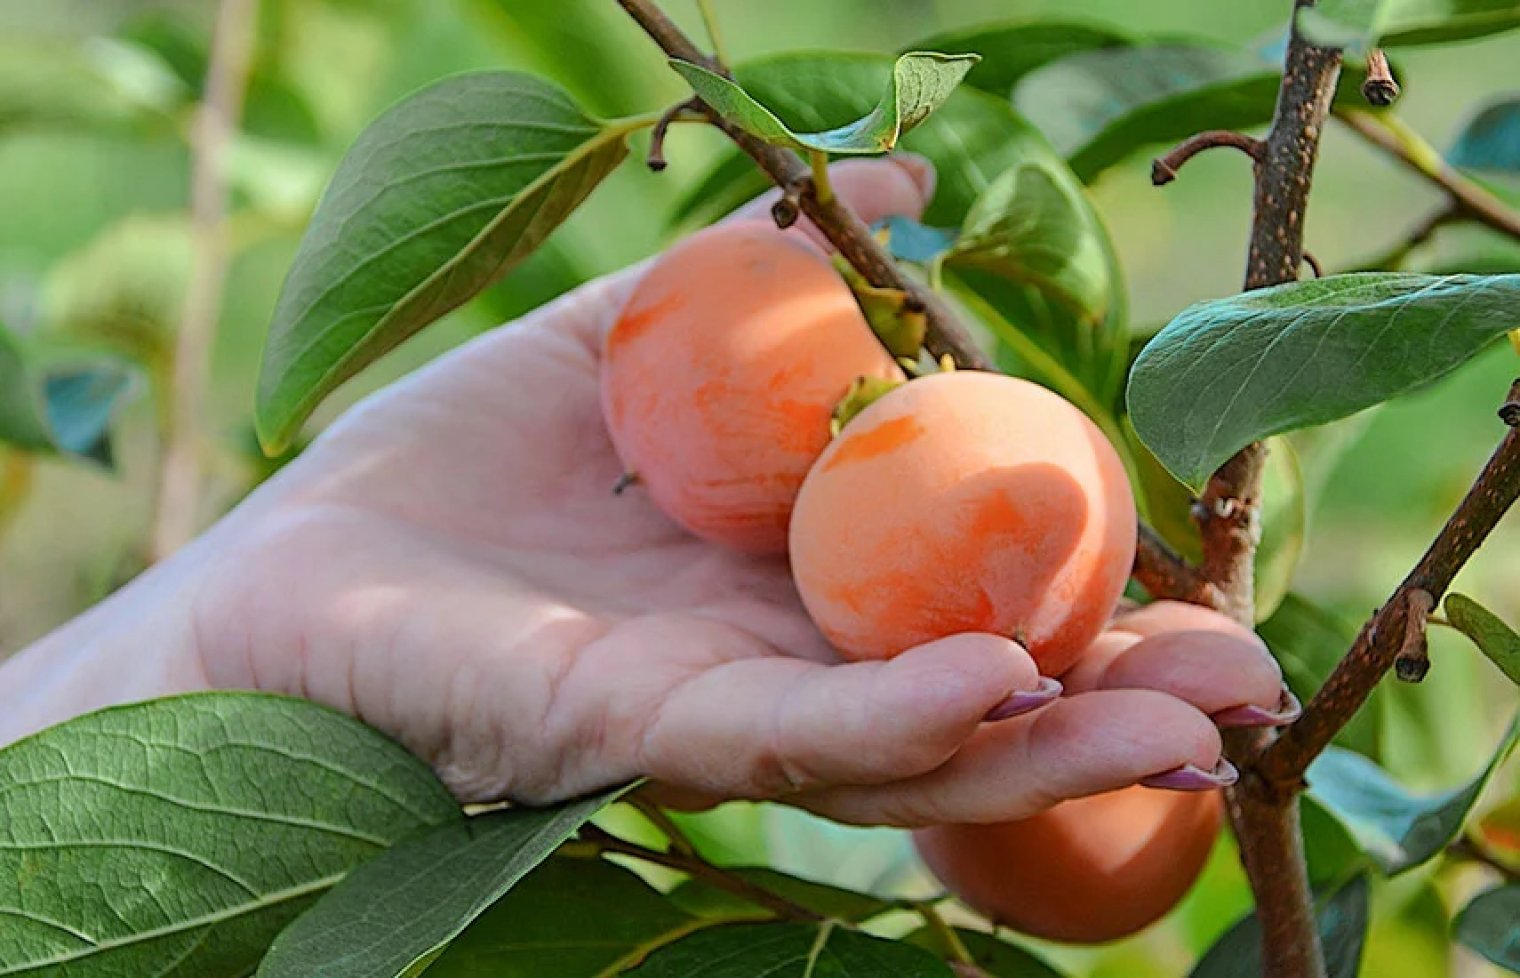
x: 1011, y: 269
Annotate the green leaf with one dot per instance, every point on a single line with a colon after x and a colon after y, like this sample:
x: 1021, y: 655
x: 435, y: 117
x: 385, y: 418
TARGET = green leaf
x: 920, y: 83
x: 1284, y: 522
x: 1488, y: 632
x: 442, y: 195
x: 1308, y: 641
x: 1033, y: 225
x: 1363, y: 24
x: 1491, y: 139
x: 400, y: 910
x: 1342, y: 918
x: 568, y: 917
x: 1490, y: 925
x: 1230, y: 371
x: 66, y: 409
x: 789, y: 951
x: 997, y: 959
x: 179, y: 835
x: 1099, y: 106
x: 1012, y: 49
x: 705, y: 900
x: 1396, y: 829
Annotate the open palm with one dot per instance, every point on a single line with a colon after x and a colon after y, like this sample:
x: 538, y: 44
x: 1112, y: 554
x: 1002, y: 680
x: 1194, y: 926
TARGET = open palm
x: 450, y: 564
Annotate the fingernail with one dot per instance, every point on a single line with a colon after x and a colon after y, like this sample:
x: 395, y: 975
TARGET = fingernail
x: 1251, y: 715
x: 1191, y: 777
x: 1022, y: 701
x: 919, y: 168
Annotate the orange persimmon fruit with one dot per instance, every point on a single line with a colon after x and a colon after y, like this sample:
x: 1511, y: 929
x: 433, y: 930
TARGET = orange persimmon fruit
x: 721, y: 374
x: 1086, y: 871
x: 965, y: 501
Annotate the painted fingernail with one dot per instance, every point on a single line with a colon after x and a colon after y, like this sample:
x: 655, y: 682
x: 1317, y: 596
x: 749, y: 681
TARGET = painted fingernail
x: 1251, y: 715
x: 1191, y: 777
x: 1022, y: 701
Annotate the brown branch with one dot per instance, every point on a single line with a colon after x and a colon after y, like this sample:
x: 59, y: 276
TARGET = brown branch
x: 1264, y: 818
x: 1382, y: 638
x: 1164, y: 574
x: 178, y: 504
x: 844, y: 230
x: 655, y: 158
x: 1164, y: 169
x: 1471, y: 200
x: 1314, y: 265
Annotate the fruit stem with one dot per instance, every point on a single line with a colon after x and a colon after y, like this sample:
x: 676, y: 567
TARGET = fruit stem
x: 955, y: 948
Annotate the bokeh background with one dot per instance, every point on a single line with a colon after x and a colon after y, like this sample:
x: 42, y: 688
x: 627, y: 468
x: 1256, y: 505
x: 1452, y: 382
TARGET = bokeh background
x: 94, y: 251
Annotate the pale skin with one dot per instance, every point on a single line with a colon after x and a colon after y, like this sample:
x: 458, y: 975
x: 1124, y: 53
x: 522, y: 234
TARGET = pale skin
x: 449, y: 564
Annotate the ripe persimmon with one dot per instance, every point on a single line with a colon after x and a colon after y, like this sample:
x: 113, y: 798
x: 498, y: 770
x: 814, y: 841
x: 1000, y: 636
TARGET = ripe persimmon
x: 722, y: 372
x: 1086, y: 871
x: 959, y: 502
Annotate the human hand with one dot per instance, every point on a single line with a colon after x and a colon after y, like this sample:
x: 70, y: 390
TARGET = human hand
x: 448, y: 563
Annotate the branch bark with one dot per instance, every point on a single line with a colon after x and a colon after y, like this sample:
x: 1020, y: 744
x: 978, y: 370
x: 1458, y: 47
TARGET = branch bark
x: 178, y: 504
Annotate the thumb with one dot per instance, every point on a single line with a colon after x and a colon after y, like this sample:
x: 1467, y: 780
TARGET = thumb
x: 900, y: 184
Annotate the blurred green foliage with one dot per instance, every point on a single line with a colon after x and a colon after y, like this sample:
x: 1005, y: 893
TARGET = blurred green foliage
x: 93, y: 253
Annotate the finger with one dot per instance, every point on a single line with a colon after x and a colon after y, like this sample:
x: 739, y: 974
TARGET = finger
x: 1177, y: 616
x: 1214, y: 671
x: 1087, y: 673
x: 901, y: 184
x: 769, y: 726
x: 1079, y: 746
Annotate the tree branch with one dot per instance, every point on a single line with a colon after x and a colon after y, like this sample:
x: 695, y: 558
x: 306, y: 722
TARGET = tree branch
x: 1164, y: 574
x: 1468, y: 198
x: 1265, y: 820
x: 178, y: 505
x: 1164, y: 169
x: 1383, y: 637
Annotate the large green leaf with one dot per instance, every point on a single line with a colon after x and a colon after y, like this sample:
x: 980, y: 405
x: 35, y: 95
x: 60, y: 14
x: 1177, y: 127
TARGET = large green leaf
x: 1396, y: 829
x: 1033, y: 224
x: 1101, y: 105
x: 789, y: 951
x: 1363, y: 24
x: 1012, y: 49
x: 1491, y: 139
x: 919, y: 83
x: 568, y: 917
x: 1490, y: 925
x: 707, y: 900
x: 1342, y: 918
x: 440, y: 196
x: 996, y: 959
x: 1227, y: 372
x: 178, y: 836
x: 1488, y: 632
x: 398, y: 912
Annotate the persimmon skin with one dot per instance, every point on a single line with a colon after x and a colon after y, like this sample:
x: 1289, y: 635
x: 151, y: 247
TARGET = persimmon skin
x: 1085, y: 872
x: 721, y: 374
x: 964, y: 502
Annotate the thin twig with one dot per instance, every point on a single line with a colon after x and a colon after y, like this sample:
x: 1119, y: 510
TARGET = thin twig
x: 1413, y: 660
x: 679, y: 841
x: 1379, y: 88
x: 1164, y: 574
x: 1314, y: 265
x: 1393, y: 260
x: 655, y: 158
x: 702, y: 870
x: 1164, y: 169
x: 1384, y: 131
x: 1382, y: 637
x: 178, y: 505
x: 714, y: 32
